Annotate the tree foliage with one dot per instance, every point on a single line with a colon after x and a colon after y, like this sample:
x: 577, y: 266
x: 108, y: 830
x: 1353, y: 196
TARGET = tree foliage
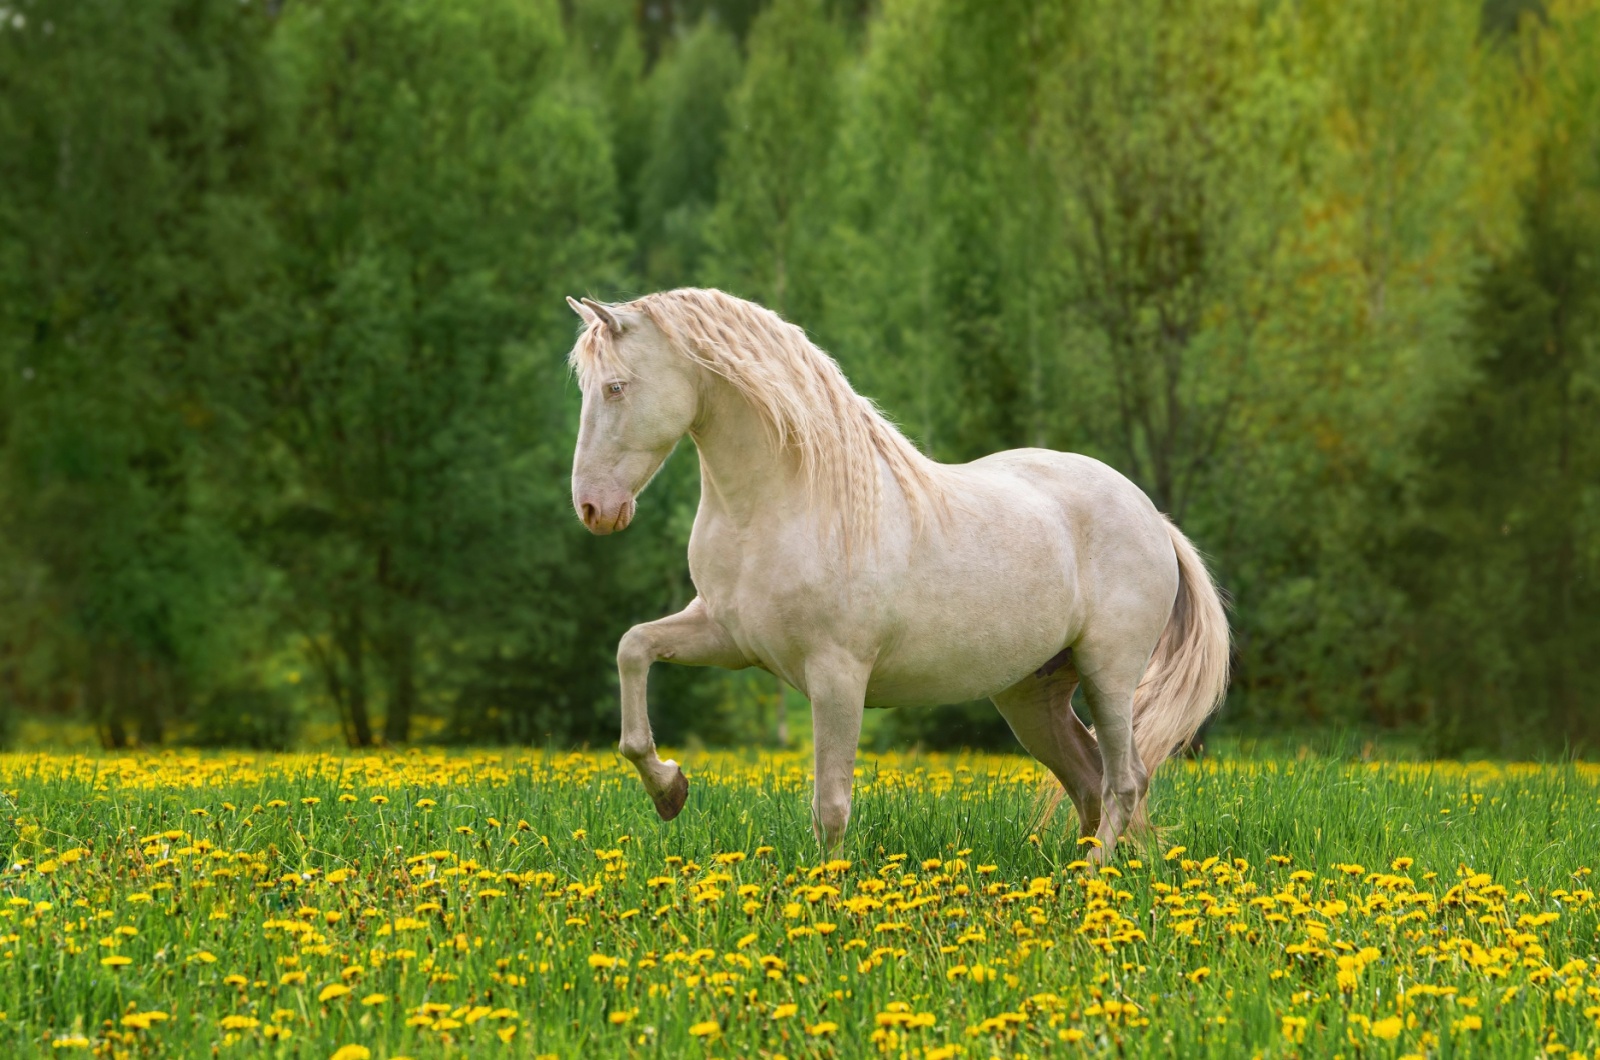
x: 285, y: 424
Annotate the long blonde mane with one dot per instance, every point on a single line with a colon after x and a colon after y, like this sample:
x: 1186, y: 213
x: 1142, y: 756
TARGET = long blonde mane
x: 837, y: 435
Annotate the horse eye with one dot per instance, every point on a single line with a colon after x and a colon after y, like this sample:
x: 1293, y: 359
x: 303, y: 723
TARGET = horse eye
x: 615, y: 388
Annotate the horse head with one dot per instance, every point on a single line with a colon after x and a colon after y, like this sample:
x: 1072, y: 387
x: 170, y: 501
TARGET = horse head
x: 639, y: 398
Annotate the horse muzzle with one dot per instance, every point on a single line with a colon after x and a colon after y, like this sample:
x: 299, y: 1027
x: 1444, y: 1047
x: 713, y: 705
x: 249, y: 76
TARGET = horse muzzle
x: 604, y: 513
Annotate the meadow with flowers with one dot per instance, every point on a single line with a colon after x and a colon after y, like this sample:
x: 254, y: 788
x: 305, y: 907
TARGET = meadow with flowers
x: 431, y: 904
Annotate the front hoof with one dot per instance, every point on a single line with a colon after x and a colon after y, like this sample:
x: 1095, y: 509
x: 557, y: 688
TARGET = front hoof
x: 670, y: 802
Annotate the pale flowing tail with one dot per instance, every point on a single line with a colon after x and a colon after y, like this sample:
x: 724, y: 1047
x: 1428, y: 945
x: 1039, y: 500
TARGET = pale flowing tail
x: 1188, y: 675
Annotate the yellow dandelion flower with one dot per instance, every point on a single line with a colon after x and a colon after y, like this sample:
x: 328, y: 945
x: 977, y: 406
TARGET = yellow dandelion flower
x: 705, y: 1029
x: 333, y: 990
x: 351, y: 1052
x: 142, y: 1021
x: 1387, y: 1029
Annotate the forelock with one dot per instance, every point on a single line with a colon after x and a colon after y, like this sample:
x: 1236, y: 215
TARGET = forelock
x: 595, y: 354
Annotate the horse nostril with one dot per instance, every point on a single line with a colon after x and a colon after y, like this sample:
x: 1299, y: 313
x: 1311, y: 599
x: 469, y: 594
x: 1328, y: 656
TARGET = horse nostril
x: 588, y: 513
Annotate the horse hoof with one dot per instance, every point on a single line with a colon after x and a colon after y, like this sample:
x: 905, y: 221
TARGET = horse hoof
x: 670, y: 803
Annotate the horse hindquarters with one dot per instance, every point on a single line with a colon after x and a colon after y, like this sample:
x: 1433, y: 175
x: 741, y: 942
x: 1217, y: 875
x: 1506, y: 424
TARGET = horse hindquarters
x: 1149, y: 694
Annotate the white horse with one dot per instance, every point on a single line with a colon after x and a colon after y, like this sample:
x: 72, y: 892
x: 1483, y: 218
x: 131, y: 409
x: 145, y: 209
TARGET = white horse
x: 830, y: 552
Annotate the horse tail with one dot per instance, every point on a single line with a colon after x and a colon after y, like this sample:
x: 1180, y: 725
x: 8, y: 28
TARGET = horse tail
x: 1188, y: 674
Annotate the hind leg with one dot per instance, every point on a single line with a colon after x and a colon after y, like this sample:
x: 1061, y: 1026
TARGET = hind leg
x: 1039, y: 711
x: 1111, y: 674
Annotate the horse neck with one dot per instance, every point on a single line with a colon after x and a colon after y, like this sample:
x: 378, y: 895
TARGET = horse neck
x: 743, y: 473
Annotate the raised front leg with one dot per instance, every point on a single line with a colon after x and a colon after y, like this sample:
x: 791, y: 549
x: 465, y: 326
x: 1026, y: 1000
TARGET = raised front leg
x: 837, y: 685
x: 689, y: 638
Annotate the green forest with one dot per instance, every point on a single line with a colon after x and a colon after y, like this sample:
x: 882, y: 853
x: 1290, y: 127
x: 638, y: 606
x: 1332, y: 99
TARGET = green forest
x: 286, y: 424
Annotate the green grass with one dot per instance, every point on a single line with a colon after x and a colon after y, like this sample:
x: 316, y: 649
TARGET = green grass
x: 489, y: 920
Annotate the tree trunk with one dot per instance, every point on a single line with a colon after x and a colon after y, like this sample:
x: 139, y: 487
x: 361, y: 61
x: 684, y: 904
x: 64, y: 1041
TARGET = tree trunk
x: 352, y: 646
x: 146, y: 691
x: 97, y: 696
x: 401, y: 663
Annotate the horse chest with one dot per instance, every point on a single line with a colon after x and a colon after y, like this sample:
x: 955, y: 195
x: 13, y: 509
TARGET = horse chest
x: 771, y: 605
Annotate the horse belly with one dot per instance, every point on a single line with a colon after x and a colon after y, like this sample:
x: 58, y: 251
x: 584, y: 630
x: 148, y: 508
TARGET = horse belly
x: 971, y: 646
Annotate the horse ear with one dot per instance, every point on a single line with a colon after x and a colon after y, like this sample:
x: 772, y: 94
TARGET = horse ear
x: 580, y: 309
x: 604, y: 314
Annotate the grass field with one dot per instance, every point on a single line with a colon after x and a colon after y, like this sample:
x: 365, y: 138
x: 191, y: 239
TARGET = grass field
x: 518, y: 904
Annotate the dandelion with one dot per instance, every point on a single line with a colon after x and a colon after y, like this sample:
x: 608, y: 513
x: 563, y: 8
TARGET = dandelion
x: 705, y: 1029
x: 351, y: 1052
x: 1387, y: 1029
x: 143, y: 1021
x: 821, y: 1030
x: 332, y: 991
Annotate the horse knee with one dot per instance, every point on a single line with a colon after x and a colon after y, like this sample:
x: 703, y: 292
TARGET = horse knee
x: 635, y: 651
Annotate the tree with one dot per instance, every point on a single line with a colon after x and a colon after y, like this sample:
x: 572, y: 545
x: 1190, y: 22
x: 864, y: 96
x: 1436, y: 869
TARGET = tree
x: 684, y: 105
x: 772, y: 206
x: 1503, y: 560
x: 130, y: 148
x: 439, y: 190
